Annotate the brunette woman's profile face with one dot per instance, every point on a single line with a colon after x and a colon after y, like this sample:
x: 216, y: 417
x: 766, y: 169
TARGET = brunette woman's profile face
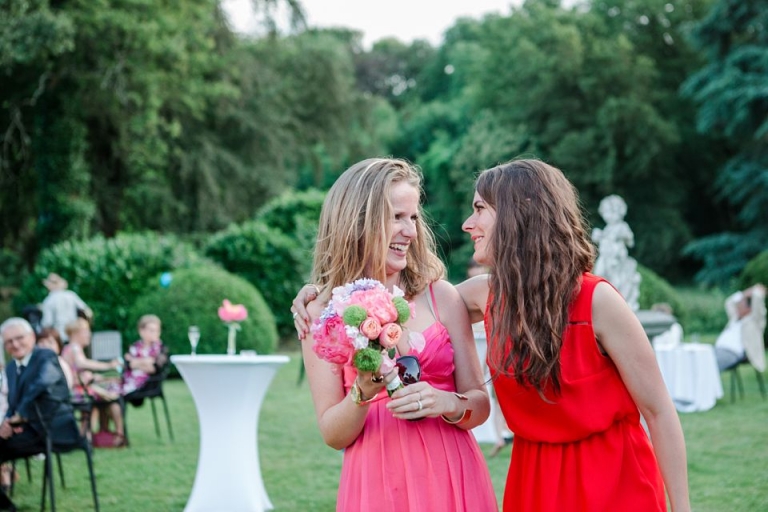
x: 480, y: 227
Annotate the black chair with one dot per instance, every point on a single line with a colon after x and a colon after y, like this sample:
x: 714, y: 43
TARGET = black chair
x: 151, y: 390
x: 49, y: 450
x: 737, y: 382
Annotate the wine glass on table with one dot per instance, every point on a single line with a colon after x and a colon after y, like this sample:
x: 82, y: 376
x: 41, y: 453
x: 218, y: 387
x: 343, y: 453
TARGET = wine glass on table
x: 194, y: 337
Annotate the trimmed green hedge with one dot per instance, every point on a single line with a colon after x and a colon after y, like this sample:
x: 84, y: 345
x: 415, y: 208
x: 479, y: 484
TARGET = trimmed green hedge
x: 108, y: 274
x: 755, y: 272
x: 193, y: 298
x: 266, y: 258
x: 297, y: 215
x: 292, y: 211
x: 705, y: 310
x: 655, y: 289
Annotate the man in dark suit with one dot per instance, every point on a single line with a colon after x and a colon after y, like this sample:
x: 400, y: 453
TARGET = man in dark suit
x: 38, y: 398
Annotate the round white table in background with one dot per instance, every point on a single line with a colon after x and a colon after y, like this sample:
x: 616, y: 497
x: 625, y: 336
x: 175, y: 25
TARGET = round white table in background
x: 691, y: 375
x: 228, y: 392
x: 487, y: 432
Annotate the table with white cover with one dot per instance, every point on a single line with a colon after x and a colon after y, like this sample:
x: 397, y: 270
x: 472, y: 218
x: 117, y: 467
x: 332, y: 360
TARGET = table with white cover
x: 228, y: 391
x: 691, y: 374
x: 487, y: 432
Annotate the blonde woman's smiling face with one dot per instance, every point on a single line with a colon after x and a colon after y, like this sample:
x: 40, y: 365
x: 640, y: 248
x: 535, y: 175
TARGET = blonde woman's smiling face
x: 404, y: 199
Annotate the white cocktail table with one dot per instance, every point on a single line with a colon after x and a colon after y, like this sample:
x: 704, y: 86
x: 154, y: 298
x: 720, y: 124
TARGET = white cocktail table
x: 228, y: 392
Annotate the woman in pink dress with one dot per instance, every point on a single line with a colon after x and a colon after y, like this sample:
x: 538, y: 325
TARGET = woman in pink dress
x: 371, y: 226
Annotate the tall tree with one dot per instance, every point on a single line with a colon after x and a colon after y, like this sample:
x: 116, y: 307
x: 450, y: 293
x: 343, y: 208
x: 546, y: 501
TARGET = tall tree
x: 731, y: 91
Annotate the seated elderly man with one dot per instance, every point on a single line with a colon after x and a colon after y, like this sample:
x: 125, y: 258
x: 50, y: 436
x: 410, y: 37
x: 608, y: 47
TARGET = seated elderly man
x: 37, y: 393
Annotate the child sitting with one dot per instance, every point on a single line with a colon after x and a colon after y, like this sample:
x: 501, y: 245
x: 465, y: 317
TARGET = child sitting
x: 144, y: 358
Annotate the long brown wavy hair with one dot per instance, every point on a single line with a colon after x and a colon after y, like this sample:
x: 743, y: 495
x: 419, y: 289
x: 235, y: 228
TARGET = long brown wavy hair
x: 540, y: 248
x: 354, y: 231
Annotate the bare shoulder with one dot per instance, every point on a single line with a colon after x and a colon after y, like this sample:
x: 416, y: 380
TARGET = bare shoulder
x: 607, y: 303
x: 613, y: 321
x: 315, y: 309
x: 443, y: 288
x: 448, y: 295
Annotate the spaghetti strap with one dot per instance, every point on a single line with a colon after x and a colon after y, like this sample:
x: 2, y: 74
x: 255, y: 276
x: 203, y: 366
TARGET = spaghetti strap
x: 433, y: 303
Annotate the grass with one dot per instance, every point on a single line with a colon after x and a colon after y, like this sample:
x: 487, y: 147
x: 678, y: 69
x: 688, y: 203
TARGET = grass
x: 727, y: 454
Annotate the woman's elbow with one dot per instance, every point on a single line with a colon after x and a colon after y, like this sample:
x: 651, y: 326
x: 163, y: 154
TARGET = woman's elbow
x: 335, y: 442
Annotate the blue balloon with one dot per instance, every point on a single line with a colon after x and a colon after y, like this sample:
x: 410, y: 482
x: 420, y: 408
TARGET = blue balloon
x: 165, y: 279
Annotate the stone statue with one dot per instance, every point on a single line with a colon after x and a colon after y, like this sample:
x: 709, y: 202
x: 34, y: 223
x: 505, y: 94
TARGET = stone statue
x: 613, y: 261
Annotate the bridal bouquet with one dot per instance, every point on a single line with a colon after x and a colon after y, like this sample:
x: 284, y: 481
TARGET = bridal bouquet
x: 362, y: 325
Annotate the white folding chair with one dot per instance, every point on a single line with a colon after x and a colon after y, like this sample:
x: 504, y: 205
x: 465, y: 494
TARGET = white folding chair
x: 106, y: 345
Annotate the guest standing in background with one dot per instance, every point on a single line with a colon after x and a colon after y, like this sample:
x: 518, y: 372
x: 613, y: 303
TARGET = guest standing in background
x: 60, y: 308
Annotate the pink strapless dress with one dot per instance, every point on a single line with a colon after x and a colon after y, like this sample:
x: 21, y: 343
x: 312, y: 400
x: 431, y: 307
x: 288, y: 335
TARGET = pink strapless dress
x: 416, y: 466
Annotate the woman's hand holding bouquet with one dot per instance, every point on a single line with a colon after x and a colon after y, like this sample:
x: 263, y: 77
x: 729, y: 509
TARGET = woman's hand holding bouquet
x: 361, y: 327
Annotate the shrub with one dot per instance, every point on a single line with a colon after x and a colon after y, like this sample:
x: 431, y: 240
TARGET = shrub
x: 705, y: 311
x: 655, y: 289
x: 297, y: 215
x: 756, y: 271
x: 109, y: 274
x: 266, y: 258
x: 193, y: 298
x: 290, y: 209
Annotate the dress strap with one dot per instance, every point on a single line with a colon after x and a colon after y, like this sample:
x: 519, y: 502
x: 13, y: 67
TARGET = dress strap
x: 433, y: 303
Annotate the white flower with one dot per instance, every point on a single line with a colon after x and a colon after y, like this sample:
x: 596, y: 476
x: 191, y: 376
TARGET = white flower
x: 397, y: 292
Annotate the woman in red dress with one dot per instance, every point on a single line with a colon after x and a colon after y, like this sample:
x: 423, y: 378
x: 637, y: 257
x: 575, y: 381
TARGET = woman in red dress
x: 572, y: 367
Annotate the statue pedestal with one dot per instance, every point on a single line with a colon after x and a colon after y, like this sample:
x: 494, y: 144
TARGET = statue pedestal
x: 654, y: 322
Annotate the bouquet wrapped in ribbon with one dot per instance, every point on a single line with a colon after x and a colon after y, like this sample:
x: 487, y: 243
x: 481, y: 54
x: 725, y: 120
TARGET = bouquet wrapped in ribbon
x: 362, y: 325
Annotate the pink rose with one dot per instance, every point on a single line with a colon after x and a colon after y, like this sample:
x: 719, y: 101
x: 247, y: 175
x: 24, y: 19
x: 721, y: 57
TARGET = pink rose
x: 229, y: 312
x: 371, y: 328
x: 377, y: 303
x: 390, y: 335
x: 331, y: 341
x: 387, y: 363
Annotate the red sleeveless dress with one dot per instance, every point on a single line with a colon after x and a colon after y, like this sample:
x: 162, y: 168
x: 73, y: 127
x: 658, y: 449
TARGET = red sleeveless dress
x: 585, y: 450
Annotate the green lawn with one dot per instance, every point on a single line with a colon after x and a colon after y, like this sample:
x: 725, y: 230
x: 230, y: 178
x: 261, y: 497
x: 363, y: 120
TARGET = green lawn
x: 727, y: 457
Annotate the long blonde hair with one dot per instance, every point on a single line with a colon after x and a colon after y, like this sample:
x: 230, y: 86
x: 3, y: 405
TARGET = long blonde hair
x: 354, y: 232
x: 541, y: 248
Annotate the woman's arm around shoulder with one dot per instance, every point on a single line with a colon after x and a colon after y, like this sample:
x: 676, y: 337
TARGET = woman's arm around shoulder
x: 622, y: 337
x: 474, y: 293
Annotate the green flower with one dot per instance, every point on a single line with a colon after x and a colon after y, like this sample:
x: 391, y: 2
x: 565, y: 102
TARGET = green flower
x: 403, y: 310
x: 368, y: 359
x: 354, y: 315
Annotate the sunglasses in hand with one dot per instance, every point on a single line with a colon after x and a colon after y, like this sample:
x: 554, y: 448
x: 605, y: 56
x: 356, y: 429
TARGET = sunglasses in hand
x: 409, y: 369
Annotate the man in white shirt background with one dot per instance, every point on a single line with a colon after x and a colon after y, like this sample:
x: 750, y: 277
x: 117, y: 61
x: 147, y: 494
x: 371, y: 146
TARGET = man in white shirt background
x: 743, y: 336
